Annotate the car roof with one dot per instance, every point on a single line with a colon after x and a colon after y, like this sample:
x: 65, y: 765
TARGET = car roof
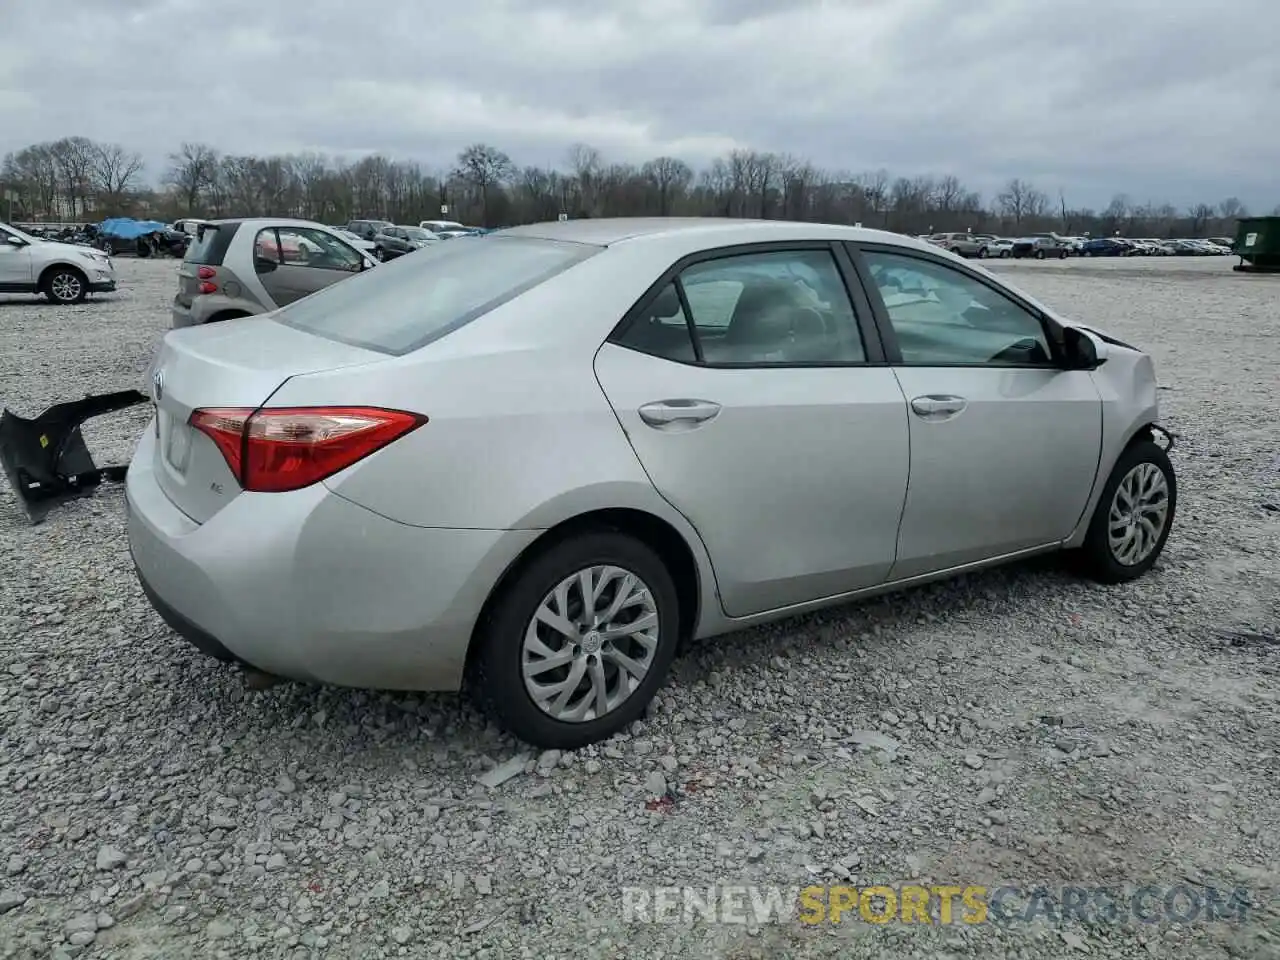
x: 268, y: 221
x: 715, y: 231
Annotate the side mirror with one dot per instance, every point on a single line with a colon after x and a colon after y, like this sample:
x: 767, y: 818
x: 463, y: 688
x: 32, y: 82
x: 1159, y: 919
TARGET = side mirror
x: 1081, y: 350
x: 263, y: 265
x: 15, y: 241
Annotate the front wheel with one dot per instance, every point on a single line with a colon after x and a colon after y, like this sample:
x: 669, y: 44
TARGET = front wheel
x: 66, y: 286
x: 1039, y: 254
x: 575, y: 646
x: 1133, y: 517
x: 1062, y: 254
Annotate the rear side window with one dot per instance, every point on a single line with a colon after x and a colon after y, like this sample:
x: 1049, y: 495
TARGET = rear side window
x: 406, y: 304
x: 210, y: 244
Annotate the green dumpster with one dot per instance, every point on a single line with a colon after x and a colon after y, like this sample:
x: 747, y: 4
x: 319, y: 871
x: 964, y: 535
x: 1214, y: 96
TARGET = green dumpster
x: 1258, y: 245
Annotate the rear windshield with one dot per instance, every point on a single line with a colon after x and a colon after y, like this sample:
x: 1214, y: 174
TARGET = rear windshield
x: 209, y: 245
x: 407, y: 303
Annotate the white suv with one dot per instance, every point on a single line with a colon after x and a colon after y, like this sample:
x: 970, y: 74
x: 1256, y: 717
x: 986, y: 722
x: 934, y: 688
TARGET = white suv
x: 63, y: 272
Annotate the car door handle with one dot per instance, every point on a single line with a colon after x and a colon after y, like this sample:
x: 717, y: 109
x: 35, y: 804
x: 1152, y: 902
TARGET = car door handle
x: 937, y: 406
x: 663, y: 413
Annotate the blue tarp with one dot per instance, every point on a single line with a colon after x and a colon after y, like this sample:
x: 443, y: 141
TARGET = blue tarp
x: 126, y: 228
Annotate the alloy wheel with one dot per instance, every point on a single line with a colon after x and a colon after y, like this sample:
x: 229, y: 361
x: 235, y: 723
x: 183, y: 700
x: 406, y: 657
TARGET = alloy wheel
x: 590, y: 643
x: 66, y: 287
x: 1138, y: 514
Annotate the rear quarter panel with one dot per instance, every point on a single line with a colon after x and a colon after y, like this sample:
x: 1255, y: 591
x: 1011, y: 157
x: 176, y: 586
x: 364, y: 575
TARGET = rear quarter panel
x: 520, y: 434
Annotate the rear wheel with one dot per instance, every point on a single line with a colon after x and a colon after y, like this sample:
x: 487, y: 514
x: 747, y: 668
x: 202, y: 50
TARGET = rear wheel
x: 575, y: 645
x: 379, y: 254
x: 66, y: 285
x: 1133, y: 518
x: 982, y: 253
x: 1039, y: 254
x: 1062, y: 254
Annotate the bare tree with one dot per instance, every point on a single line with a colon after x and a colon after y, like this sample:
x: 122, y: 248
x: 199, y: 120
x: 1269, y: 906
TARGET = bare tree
x: 74, y: 157
x: 115, y: 171
x: 1232, y: 209
x: 1021, y: 201
x: 669, y: 178
x: 1200, y: 215
x: 483, y: 168
x: 192, y: 170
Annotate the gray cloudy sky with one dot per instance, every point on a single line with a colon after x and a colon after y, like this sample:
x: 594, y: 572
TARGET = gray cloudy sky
x: 1162, y: 99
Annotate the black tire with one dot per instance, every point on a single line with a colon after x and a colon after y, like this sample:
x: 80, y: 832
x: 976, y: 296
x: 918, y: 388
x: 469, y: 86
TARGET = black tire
x: 495, y: 677
x: 65, y: 285
x: 956, y: 251
x: 108, y: 248
x: 1039, y: 254
x: 379, y: 254
x: 982, y: 253
x: 1062, y: 254
x: 1095, y: 558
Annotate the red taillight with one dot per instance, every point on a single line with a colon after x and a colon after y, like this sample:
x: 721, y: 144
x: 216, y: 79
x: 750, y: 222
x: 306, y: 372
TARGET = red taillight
x: 206, y: 275
x: 287, y: 448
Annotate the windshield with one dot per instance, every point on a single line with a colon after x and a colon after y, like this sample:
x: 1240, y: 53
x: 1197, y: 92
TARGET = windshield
x: 412, y: 301
x: 20, y: 234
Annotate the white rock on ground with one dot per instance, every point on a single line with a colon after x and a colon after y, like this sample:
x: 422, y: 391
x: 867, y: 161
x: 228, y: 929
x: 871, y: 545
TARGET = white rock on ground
x: 114, y: 734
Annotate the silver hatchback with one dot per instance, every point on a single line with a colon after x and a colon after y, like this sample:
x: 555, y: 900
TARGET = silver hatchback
x: 544, y: 458
x: 239, y: 268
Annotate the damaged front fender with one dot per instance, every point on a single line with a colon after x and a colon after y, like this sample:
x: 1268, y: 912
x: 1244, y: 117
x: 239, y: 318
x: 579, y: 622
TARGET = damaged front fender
x: 46, y: 459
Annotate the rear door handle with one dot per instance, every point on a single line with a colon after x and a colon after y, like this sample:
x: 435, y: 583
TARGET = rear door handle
x: 938, y: 406
x: 664, y: 413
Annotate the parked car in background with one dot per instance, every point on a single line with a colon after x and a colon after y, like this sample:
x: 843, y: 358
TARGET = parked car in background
x: 443, y: 226
x: 187, y: 225
x: 1040, y: 246
x: 963, y: 244
x: 64, y: 272
x: 339, y: 494
x: 360, y: 243
x: 1000, y: 247
x: 1105, y: 247
x: 395, y: 241
x: 367, y: 229
x: 239, y: 268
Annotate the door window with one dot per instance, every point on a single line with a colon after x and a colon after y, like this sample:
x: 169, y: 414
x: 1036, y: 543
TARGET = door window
x: 305, y: 247
x: 758, y: 309
x: 944, y: 317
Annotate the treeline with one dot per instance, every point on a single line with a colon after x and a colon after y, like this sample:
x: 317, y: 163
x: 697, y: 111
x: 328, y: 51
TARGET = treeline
x: 78, y: 179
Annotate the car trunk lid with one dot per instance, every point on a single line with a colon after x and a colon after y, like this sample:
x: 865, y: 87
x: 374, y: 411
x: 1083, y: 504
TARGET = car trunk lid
x: 233, y: 364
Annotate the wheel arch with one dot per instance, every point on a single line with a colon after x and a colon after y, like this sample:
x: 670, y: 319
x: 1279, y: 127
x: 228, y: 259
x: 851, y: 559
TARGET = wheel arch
x: 42, y: 281
x: 655, y: 532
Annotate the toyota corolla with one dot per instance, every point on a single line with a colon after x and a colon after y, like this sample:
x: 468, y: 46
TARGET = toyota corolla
x: 540, y: 460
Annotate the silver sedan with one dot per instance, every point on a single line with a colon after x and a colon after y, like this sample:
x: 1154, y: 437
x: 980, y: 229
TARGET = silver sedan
x: 541, y: 460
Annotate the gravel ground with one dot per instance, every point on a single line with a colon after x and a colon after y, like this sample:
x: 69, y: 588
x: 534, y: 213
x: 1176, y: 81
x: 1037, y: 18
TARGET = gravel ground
x: 1040, y: 729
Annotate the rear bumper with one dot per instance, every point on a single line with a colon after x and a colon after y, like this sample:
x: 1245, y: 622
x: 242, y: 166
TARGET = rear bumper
x: 311, y: 586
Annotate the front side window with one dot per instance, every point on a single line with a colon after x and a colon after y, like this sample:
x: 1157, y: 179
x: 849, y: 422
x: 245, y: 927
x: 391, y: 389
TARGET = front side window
x: 944, y: 317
